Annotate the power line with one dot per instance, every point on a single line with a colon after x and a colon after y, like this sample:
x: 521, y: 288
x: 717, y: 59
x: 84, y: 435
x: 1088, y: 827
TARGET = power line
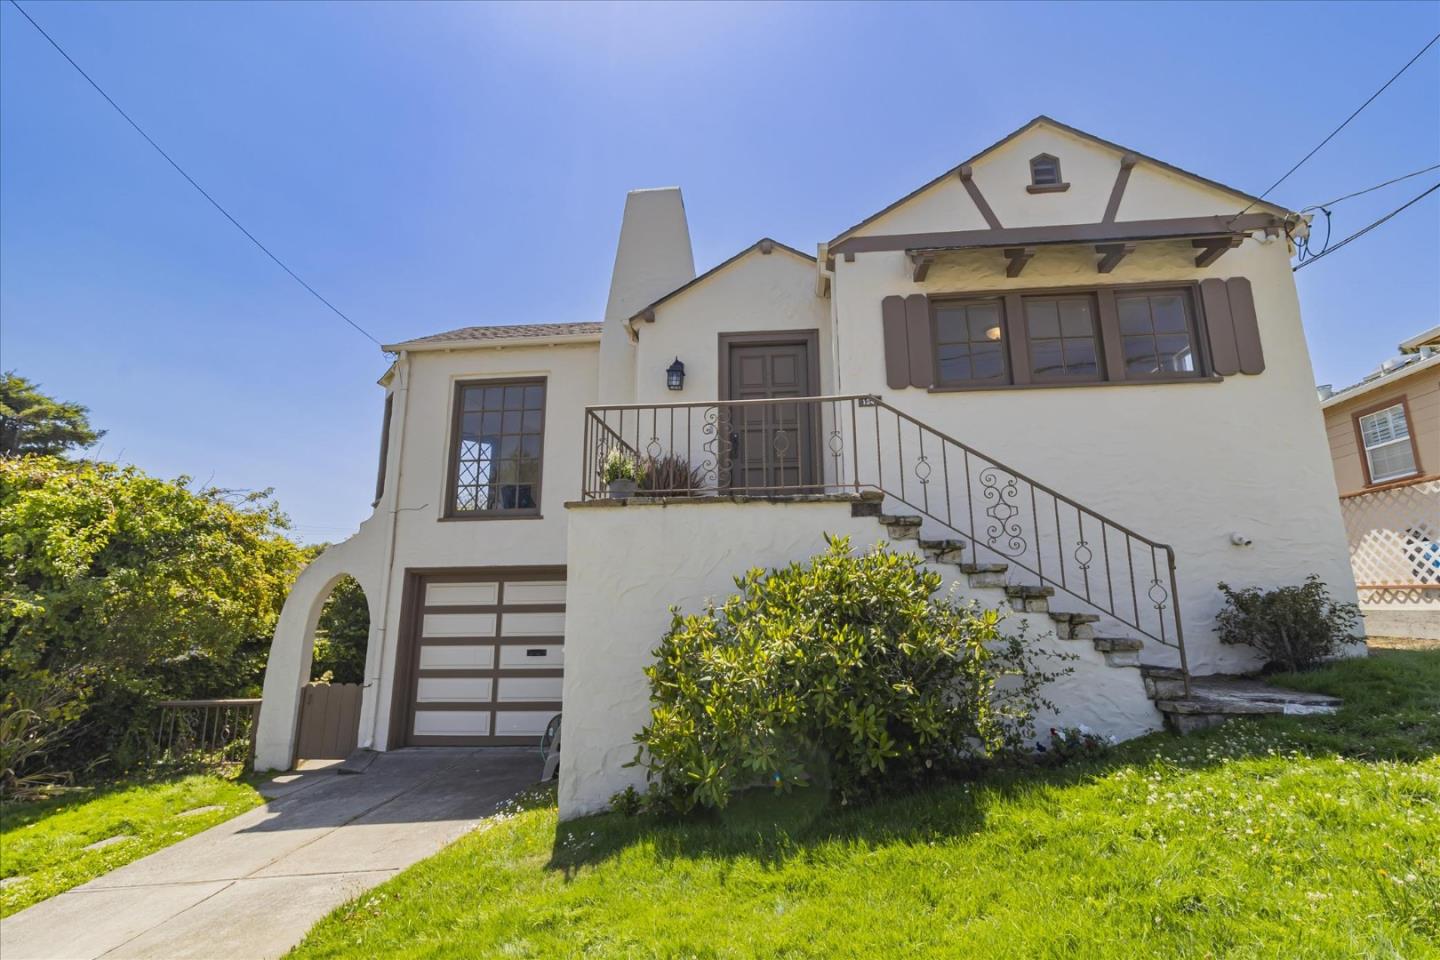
x: 213, y: 202
x: 1357, y: 193
x: 1364, y: 230
x: 1332, y: 132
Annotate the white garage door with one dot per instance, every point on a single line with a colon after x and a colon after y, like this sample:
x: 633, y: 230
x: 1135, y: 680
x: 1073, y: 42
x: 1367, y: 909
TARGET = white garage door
x: 487, y: 656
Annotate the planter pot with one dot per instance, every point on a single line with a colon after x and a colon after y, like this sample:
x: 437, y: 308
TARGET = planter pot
x: 620, y: 489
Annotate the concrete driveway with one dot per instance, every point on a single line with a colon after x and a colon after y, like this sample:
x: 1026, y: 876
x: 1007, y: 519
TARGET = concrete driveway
x: 251, y: 887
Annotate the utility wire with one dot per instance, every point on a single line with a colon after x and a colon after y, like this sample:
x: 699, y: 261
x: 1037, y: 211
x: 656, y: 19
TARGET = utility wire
x: 1364, y: 230
x: 1332, y: 132
x: 213, y: 202
x: 1357, y: 193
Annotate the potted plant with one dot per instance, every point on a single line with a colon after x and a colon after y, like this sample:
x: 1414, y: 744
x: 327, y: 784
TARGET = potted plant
x: 620, y: 473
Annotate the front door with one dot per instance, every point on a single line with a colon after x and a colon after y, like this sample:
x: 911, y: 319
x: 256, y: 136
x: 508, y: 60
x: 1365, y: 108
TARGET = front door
x: 771, y: 443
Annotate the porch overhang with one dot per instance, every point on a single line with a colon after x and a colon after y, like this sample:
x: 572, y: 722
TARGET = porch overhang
x: 1210, y: 237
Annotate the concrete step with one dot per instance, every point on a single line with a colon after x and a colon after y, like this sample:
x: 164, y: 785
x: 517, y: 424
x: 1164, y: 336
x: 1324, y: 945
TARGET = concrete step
x: 1215, y: 699
x: 1118, y: 644
x: 901, y: 526
x: 984, y: 567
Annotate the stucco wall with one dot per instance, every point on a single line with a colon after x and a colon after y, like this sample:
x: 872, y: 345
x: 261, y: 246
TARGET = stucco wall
x: 774, y: 291
x: 1185, y: 463
x: 672, y: 555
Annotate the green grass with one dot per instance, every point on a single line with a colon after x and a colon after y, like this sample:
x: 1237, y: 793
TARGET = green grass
x: 44, y: 841
x: 1294, y: 837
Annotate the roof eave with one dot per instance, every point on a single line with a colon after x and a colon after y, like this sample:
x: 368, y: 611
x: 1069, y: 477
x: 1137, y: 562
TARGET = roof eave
x: 1388, y: 380
x: 418, y: 346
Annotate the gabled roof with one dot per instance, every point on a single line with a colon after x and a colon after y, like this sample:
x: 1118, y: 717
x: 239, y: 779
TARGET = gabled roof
x: 757, y: 245
x: 1042, y: 119
x: 1406, y: 365
x: 502, y: 334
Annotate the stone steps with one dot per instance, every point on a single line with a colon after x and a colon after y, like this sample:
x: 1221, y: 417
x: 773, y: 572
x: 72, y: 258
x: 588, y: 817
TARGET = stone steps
x: 1215, y: 699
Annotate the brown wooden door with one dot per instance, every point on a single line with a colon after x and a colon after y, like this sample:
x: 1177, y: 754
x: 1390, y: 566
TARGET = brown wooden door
x: 771, y: 444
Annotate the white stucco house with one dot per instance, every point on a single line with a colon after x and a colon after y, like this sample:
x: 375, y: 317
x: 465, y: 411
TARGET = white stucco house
x: 1070, y: 375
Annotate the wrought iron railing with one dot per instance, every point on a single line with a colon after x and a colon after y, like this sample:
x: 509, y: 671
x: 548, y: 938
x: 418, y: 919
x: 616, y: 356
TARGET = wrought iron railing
x: 793, y: 446
x: 223, y: 729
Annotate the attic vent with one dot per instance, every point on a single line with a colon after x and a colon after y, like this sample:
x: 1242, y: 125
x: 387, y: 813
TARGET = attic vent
x: 1045, y: 174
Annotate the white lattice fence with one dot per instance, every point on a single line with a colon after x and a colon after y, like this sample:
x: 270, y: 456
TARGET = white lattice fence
x: 1394, y: 539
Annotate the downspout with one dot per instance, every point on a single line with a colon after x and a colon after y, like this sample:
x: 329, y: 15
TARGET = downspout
x: 402, y: 373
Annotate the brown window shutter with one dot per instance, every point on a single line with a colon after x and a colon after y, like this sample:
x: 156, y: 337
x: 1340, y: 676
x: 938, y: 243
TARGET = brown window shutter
x: 897, y: 346
x: 1220, y: 324
x: 917, y: 329
x: 1247, y: 325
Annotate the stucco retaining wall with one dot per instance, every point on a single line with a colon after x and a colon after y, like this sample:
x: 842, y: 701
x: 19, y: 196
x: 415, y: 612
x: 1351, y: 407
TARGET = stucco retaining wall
x: 629, y: 564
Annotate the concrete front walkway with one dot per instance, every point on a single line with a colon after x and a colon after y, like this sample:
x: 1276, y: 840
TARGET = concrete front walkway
x: 251, y: 887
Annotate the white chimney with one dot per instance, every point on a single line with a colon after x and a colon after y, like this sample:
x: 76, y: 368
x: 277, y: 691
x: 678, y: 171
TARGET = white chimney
x: 653, y: 258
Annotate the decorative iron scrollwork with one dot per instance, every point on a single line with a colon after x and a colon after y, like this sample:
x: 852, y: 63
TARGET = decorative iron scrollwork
x: 1002, y: 490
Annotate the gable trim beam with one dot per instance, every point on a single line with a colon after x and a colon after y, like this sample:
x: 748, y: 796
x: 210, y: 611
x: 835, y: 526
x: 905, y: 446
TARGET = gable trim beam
x: 967, y: 177
x: 1180, y: 228
x: 1122, y: 179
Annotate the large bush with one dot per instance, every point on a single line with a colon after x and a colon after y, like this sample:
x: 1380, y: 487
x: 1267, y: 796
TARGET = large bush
x: 1293, y: 627
x: 124, y: 589
x: 844, y: 670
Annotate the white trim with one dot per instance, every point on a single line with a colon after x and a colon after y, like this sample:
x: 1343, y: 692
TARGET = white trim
x: 1389, y: 379
x: 484, y: 343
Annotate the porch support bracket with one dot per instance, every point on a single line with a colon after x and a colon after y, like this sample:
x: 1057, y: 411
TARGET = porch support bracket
x: 1111, y: 254
x: 1213, y: 248
x: 1017, y: 257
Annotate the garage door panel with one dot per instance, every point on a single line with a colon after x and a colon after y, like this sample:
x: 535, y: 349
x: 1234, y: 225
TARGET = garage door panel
x: 452, y: 723
x: 534, y: 624
x: 451, y: 656
x: 488, y: 656
x: 529, y: 689
x: 528, y: 657
x: 534, y: 591
x: 458, y: 625
x: 522, y: 723
x: 454, y: 690
x: 461, y: 594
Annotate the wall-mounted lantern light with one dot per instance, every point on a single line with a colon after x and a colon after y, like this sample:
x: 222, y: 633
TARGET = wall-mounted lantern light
x: 675, y: 375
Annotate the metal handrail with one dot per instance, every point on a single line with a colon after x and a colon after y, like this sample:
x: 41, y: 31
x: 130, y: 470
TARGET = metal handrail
x: 204, y: 727
x: 788, y: 446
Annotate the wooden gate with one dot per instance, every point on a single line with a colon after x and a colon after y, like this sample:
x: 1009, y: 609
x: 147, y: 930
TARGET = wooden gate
x: 329, y: 721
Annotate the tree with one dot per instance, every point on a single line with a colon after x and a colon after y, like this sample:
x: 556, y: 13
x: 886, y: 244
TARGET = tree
x: 31, y: 422
x: 342, y: 634
x: 126, y: 589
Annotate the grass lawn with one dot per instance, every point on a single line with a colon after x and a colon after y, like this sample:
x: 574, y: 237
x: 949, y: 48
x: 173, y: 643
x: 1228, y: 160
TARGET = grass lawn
x: 45, y: 841
x: 1289, y: 836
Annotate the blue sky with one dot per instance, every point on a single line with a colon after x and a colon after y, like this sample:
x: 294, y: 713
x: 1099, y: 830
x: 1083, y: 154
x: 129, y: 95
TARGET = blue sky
x: 433, y: 166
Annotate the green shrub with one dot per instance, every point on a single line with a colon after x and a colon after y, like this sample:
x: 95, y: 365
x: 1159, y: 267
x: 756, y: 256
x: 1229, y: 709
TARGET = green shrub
x: 1293, y: 627
x: 843, y: 670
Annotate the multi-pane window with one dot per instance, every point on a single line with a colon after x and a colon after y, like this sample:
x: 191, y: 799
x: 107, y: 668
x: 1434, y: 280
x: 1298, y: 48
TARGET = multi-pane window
x: 1156, y: 333
x: 499, y: 434
x: 1062, y: 335
x: 969, y: 342
x: 1389, y: 453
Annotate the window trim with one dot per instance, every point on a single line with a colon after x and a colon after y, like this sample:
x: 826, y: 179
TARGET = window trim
x: 1007, y: 350
x: 1059, y: 186
x: 1403, y: 402
x: 1107, y: 335
x: 452, y: 457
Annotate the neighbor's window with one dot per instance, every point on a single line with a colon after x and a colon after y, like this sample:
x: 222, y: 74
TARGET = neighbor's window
x: 495, y: 454
x: 1388, y: 450
x: 1063, y: 337
x: 1157, y: 333
x: 969, y: 342
x: 1045, y: 170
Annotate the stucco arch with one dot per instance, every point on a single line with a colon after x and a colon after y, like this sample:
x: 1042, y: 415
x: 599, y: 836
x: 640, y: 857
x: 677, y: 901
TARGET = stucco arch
x: 288, y: 668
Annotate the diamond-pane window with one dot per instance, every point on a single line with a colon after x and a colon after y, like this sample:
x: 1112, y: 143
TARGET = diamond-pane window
x: 499, y: 437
